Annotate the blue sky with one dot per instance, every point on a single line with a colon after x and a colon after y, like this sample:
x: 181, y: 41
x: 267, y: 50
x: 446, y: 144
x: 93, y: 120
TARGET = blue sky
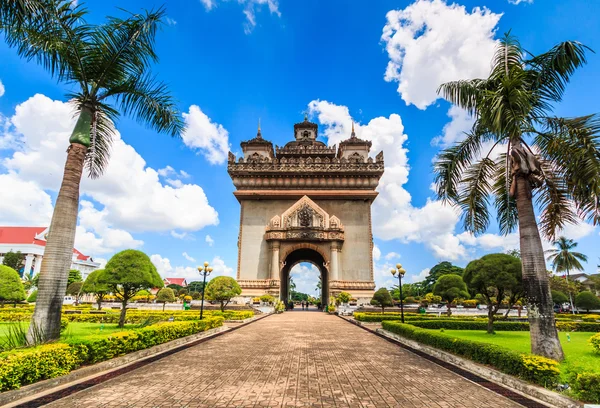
x: 229, y: 63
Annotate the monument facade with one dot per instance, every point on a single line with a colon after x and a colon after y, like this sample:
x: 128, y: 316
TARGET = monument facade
x: 305, y: 202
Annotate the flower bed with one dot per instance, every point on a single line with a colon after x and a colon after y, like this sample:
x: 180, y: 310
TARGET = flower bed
x: 25, y: 366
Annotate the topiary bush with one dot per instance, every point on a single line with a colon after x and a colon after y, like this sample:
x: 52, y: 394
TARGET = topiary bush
x: 586, y: 386
x: 32, y: 297
x: 595, y: 342
x: 11, y: 289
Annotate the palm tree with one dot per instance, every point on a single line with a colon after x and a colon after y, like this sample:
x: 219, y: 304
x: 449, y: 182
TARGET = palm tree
x: 565, y: 260
x: 554, y: 160
x: 108, y: 68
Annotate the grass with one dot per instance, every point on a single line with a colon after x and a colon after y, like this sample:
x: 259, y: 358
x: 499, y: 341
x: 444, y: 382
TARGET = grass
x: 579, y: 355
x: 75, y: 330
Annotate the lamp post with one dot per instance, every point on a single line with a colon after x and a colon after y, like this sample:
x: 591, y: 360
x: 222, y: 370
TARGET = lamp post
x: 204, y: 271
x: 400, y: 270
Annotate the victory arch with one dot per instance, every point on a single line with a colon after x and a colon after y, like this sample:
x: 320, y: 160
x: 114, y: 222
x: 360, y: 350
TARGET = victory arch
x: 305, y: 202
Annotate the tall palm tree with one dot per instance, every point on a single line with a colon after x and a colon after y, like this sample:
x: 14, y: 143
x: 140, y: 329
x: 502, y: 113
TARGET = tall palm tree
x: 565, y: 260
x: 554, y: 160
x: 108, y: 69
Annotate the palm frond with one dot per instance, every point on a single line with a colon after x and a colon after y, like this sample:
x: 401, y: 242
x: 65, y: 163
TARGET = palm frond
x: 476, y: 186
x: 508, y: 55
x: 464, y: 94
x: 149, y: 101
x: 505, y: 204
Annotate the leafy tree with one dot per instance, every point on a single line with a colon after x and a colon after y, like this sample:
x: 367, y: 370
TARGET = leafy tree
x: 430, y: 298
x: 559, y: 297
x: 450, y: 287
x: 165, y: 295
x: 196, y: 286
x: 382, y: 299
x: 343, y: 297
x: 512, y: 109
x: 514, y: 252
x: 298, y: 296
x: 587, y: 300
x: 443, y: 268
x: 74, y: 289
x: 195, y: 295
x: 14, y: 260
x: 565, y: 260
x: 494, y: 276
x: 107, y: 67
x: 93, y: 285
x: 176, y: 288
x: 222, y: 289
x: 11, y: 287
x: 128, y: 272
x: 74, y: 276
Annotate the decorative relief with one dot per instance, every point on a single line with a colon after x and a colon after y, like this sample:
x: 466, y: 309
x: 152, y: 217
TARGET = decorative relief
x: 356, y: 158
x: 275, y: 222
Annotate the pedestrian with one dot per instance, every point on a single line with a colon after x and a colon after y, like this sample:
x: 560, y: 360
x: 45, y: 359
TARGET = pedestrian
x: 302, y: 303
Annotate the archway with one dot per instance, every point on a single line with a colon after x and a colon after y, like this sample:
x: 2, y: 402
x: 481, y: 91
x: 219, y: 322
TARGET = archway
x: 304, y: 255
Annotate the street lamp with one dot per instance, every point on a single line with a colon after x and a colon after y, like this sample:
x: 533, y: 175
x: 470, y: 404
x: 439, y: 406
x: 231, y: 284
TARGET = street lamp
x: 204, y: 271
x: 400, y: 270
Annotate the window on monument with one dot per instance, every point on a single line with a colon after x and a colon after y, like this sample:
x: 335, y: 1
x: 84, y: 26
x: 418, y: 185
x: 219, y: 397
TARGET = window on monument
x: 305, y: 282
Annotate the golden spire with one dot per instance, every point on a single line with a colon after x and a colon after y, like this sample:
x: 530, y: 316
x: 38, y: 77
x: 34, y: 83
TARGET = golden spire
x: 258, y: 133
x: 353, y: 134
x: 305, y: 117
x: 258, y: 125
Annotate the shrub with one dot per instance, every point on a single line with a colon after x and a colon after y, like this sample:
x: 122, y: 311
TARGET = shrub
x: 595, y: 342
x: 382, y: 298
x: 26, y: 366
x: 343, y: 297
x: 587, y: 300
x: 33, y: 297
x: 586, y: 386
x: 539, y: 370
x: 266, y: 298
x: 11, y: 289
x: 449, y: 324
x: 222, y: 289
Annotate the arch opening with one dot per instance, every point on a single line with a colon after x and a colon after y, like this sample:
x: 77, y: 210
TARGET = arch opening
x: 297, y: 257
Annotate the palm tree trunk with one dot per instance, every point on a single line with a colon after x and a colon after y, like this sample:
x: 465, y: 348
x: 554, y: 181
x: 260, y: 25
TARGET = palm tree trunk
x: 544, y: 336
x: 45, y: 322
x: 570, y: 294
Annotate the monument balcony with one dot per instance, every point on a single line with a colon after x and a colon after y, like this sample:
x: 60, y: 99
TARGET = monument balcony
x: 304, y: 234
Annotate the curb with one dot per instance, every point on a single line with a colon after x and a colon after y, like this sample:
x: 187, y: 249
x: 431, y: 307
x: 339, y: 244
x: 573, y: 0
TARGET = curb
x: 46, y: 391
x: 510, y: 387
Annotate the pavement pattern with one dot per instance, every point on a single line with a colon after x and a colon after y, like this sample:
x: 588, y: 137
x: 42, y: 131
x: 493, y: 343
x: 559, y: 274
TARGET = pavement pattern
x: 295, y: 359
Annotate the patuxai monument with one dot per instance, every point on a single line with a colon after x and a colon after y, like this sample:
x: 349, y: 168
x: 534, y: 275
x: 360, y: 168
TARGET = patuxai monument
x: 306, y: 202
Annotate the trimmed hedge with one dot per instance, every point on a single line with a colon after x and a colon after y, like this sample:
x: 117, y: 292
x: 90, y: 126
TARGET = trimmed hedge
x: 536, y: 369
x: 586, y: 386
x: 470, y: 325
x: 25, y: 366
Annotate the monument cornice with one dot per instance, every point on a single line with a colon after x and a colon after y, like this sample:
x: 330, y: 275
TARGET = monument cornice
x: 304, y: 234
x: 337, y: 194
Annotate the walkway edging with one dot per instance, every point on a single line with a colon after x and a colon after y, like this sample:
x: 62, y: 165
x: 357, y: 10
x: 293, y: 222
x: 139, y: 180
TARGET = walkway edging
x: 524, y: 388
x: 44, y: 388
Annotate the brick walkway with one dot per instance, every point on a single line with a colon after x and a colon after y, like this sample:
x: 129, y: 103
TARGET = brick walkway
x: 297, y: 359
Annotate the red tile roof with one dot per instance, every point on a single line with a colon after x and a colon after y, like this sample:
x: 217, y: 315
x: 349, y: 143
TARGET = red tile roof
x: 26, y: 235
x: 176, y: 281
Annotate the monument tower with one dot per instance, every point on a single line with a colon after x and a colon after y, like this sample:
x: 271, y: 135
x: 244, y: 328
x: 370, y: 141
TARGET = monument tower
x: 306, y: 202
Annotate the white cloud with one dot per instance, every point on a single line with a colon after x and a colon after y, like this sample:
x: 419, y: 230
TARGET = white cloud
x: 392, y: 255
x: 516, y: 2
x: 420, y: 276
x: 376, y: 253
x: 23, y: 202
x: 454, y: 131
x: 174, y: 182
x: 577, y: 231
x: 209, y: 138
x: 250, y: 9
x: 209, y: 240
x: 132, y: 196
x: 2, y: 89
x: 189, y: 258
x: 166, y: 171
x: 170, y: 21
x: 306, y: 277
x: 430, y: 42
x: 394, y: 217
x: 177, y: 235
x: 165, y: 269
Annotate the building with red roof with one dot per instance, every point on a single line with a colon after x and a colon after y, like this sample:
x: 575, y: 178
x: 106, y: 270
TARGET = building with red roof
x: 175, y: 281
x: 31, y: 241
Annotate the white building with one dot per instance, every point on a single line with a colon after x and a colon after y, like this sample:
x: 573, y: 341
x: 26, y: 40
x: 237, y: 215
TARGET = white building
x: 31, y: 241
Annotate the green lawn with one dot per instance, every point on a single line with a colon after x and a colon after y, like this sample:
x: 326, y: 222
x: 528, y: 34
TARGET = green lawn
x: 74, y: 330
x: 579, y: 355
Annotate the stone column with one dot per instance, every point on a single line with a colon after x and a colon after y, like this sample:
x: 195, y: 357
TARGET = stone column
x: 275, y: 260
x: 37, y: 267
x: 28, y: 264
x: 333, y: 271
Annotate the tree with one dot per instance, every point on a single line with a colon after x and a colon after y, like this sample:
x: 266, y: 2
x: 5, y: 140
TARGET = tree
x: 559, y: 297
x: 443, y: 268
x: 587, y: 300
x: 450, y: 287
x: 14, y: 260
x: 74, y: 276
x: 107, y: 67
x: 176, y: 288
x: 128, y: 272
x: 494, y: 276
x: 92, y: 285
x: 165, y: 295
x: 343, y: 297
x: 11, y: 289
x: 512, y: 110
x: 222, y: 289
x: 382, y: 299
x: 74, y: 289
x: 565, y: 260
x: 196, y: 286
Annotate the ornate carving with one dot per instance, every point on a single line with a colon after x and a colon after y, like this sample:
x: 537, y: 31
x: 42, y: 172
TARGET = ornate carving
x: 305, y: 216
x: 335, y: 223
x: 356, y: 158
x: 275, y: 222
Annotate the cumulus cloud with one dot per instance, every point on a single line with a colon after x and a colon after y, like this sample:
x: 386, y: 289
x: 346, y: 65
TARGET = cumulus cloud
x: 376, y: 253
x: 454, y: 131
x: 189, y: 258
x: 392, y: 255
x: 251, y: 7
x: 306, y: 277
x: 420, y: 276
x: 23, y: 202
x: 165, y: 269
x: 208, y: 138
x: 516, y: 2
x: 430, y: 42
x: 209, y: 240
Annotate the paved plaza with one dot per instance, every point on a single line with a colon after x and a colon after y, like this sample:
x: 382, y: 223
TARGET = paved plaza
x: 296, y: 359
